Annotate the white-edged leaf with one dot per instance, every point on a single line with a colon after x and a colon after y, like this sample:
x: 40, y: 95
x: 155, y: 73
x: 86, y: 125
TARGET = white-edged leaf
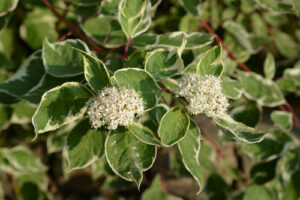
x: 265, y: 92
x: 142, y: 82
x: 283, y: 119
x: 134, y: 16
x: 211, y: 62
x: 84, y: 145
x: 189, y: 148
x: 61, y: 105
x: 27, y: 77
x: 61, y: 59
x: 173, y: 126
x: 95, y: 72
x: 162, y: 63
x: 269, y: 66
x: 237, y: 130
x: 7, y: 6
x: 144, y: 134
x: 127, y: 156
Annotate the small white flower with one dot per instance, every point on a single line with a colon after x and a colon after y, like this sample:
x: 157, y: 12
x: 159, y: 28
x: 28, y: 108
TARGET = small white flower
x: 115, y: 106
x: 204, y: 95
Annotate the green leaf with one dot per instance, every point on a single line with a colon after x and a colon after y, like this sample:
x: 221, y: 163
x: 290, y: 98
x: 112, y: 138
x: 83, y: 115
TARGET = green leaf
x: 282, y: 119
x: 95, y: 73
x: 231, y: 88
x: 104, y: 30
x: 22, y: 113
x: 216, y: 187
x: 191, y: 6
x: 7, y: 6
x: 272, y: 145
x: 265, y: 92
x: 144, y: 134
x: 56, y: 140
x: 21, y: 160
x: 291, y: 80
x: 84, y: 145
x: 157, y: 113
x: 211, y: 62
x: 30, y: 82
x: 240, y: 131
x: 162, y: 63
x: 85, y: 2
x: 248, y: 41
x: 5, y: 115
x: 173, y: 126
x: 292, y: 191
x: 136, y: 59
x: 198, y: 40
x: 134, y: 17
x: 156, y: 191
x: 110, y: 7
x: 145, y: 40
x: 262, y: 150
x: 286, y: 44
x: 29, y: 191
x: 38, y: 25
x: 257, y: 192
x: 269, y: 66
x: 189, y: 148
x: 277, y: 6
x: 127, y: 156
x: 61, y: 59
x: 248, y: 114
x: 288, y: 164
x: 263, y: 172
x: 142, y: 82
x: 296, y: 6
x: 4, y: 21
x: 61, y: 105
x: 174, y: 40
x: 46, y: 83
x: 27, y: 77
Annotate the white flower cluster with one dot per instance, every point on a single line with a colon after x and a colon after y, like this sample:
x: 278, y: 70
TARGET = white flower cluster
x: 115, y: 106
x: 204, y: 95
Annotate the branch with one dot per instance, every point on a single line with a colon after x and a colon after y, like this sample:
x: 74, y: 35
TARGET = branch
x: 161, y: 171
x: 211, y: 141
x: 65, y: 36
x: 73, y: 28
x: 219, y: 40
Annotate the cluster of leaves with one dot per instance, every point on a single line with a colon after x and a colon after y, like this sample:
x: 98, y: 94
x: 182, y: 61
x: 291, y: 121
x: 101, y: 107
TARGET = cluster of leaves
x: 148, y: 45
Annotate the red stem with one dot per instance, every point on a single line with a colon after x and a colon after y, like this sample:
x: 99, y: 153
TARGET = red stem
x: 126, y: 48
x: 211, y: 141
x: 73, y: 28
x: 65, y: 36
x: 161, y: 171
x: 219, y: 40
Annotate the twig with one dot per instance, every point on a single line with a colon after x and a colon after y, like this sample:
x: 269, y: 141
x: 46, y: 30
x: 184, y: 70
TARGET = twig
x: 167, y: 90
x: 219, y: 40
x: 161, y: 171
x: 211, y: 141
x: 65, y: 36
x: 126, y: 48
x: 166, y: 102
x: 114, y: 58
x: 73, y: 28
